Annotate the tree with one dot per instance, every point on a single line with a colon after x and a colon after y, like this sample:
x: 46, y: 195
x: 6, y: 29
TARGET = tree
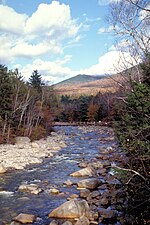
x: 131, y: 20
x: 6, y: 91
x: 36, y: 81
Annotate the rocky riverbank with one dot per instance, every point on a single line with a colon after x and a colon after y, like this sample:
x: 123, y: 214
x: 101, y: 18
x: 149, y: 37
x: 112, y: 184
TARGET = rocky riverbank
x: 92, y: 194
x: 25, y: 152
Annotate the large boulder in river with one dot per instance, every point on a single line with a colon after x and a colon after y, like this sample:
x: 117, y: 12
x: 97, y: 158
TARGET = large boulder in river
x: 88, y: 171
x: 25, y: 218
x: 90, y: 183
x: 71, y: 209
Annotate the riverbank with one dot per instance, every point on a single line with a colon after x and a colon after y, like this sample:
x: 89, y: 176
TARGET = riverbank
x: 25, y: 152
x: 79, y: 174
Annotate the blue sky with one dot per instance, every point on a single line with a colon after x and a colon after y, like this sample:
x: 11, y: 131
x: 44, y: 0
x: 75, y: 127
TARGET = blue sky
x: 58, y: 38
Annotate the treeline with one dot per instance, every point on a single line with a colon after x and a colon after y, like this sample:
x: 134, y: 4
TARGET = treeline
x: 86, y: 108
x: 26, y: 108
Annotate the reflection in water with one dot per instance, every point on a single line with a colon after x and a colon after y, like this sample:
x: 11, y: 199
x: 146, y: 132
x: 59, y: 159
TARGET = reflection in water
x: 81, y: 145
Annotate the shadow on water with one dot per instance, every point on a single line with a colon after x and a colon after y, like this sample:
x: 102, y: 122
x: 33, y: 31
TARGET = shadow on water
x: 81, y: 145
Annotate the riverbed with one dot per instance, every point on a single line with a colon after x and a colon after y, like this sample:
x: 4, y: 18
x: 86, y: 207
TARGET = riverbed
x: 83, y: 144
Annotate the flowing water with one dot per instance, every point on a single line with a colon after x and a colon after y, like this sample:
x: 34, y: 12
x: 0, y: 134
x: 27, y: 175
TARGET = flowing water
x: 82, y: 145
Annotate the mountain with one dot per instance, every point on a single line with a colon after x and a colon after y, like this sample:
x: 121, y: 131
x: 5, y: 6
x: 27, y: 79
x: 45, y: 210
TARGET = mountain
x: 81, y: 78
x: 88, y: 85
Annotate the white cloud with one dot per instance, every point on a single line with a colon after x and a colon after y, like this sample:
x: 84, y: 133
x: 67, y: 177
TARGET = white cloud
x: 43, y: 33
x: 53, y: 20
x: 109, y: 29
x: 106, y: 2
x: 50, y: 71
x: 11, y: 21
x: 112, y: 62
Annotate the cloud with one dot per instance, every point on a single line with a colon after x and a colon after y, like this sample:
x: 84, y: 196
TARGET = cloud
x: 109, y: 29
x: 112, y: 62
x: 53, y: 20
x: 52, y: 71
x: 11, y: 21
x: 42, y: 33
x: 106, y: 2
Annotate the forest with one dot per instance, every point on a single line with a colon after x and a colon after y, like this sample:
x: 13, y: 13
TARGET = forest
x: 30, y: 108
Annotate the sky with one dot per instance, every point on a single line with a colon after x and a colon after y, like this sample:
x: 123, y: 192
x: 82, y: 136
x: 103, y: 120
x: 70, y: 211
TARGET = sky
x: 60, y: 38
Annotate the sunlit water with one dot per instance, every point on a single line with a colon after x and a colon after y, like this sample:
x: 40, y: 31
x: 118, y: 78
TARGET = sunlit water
x: 81, y: 145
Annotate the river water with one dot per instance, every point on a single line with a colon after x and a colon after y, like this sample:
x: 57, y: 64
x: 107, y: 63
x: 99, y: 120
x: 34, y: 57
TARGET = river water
x: 83, y: 144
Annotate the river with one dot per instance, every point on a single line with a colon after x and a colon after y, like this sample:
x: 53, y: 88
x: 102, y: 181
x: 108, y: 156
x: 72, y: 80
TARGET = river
x: 83, y: 144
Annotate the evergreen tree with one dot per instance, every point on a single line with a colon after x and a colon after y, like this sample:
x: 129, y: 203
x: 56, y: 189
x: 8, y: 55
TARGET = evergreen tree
x: 36, y: 80
x: 6, y: 91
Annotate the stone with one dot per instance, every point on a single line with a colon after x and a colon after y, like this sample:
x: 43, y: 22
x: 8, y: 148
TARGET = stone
x: 22, y: 140
x: 84, y: 193
x: 34, y: 145
x: 71, y: 209
x: 73, y: 196
x: 13, y: 223
x: 90, y: 183
x: 54, y: 191
x: 54, y: 222
x: 2, y: 170
x: 88, y: 171
x: 25, y: 218
x: 106, y: 213
x: 68, y: 182
x: 32, y: 188
x: 67, y: 223
x: 83, y: 164
x: 83, y: 220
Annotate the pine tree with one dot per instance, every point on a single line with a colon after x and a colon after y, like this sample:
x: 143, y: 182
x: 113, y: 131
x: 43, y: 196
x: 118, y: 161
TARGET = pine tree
x: 36, y: 81
x: 6, y: 91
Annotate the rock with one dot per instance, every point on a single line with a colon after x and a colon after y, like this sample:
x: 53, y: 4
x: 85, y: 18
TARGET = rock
x: 73, y: 196
x: 34, y: 145
x: 22, y: 140
x: 54, y: 191
x: 84, y: 193
x: 88, y: 171
x: 71, y: 209
x: 54, y: 222
x: 67, y: 223
x: 102, y: 171
x: 32, y: 188
x: 68, y: 182
x: 2, y: 170
x: 13, y: 223
x: 90, y: 183
x: 106, y: 213
x: 83, y: 164
x: 83, y: 220
x: 25, y: 218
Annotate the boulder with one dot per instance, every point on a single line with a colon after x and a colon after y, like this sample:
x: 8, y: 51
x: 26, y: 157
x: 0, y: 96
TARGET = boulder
x: 88, y: 171
x: 106, y: 213
x: 71, y: 209
x: 67, y: 223
x: 2, y: 170
x: 68, y: 182
x: 54, y: 222
x: 84, y: 193
x: 22, y: 140
x: 90, y: 183
x: 54, y: 191
x: 32, y: 188
x: 83, y: 220
x: 25, y: 218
